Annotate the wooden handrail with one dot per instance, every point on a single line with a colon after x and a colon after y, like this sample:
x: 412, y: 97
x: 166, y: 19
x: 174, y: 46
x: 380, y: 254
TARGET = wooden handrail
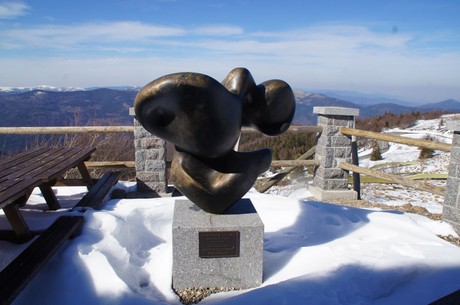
x: 396, y: 139
x: 66, y: 129
x: 304, y: 129
x: 132, y: 164
x: 295, y: 163
x: 110, y: 164
x: 117, y: 129
x: 393, y: 178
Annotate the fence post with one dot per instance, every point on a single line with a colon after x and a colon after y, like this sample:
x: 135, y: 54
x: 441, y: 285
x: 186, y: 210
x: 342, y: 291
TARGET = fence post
x: 330, y: 181
x: 150, y: 156
x: 451, y: 208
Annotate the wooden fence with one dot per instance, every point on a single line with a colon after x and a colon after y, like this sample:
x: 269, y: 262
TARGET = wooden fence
x: 130, y: 129
x: 420, y: 185
x: 289, y: 164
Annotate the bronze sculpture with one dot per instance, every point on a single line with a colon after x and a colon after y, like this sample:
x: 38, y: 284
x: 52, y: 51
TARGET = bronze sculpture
x: 203, y: 119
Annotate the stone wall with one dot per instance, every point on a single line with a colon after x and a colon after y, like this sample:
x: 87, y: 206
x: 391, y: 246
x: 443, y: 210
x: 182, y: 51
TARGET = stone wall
x: 150, y: 160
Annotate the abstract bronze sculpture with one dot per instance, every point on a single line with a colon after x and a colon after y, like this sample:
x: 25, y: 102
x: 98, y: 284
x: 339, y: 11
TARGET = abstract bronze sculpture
x: 203, y: 119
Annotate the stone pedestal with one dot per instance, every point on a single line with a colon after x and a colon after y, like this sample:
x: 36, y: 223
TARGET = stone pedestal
x: 330, y: 181
x: 150, y: 159
x: 217, y: 251
x: 451, y: 208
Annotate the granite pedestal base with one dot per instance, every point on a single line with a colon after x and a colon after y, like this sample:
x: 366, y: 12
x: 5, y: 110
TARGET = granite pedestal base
x: 210, y: 250
x: 321, y: 194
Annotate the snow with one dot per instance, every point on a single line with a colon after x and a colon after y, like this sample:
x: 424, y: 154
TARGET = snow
x: 314, y: 252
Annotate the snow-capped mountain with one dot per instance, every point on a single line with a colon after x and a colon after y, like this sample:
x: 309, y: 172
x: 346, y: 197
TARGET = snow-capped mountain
x: 15, y: 90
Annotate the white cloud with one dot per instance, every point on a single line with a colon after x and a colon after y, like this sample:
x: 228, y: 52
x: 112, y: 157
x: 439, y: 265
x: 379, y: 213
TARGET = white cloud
x: 58, y: 36
x: 122, y: 35
x: 217, y: 30
x: 329, y: 56
x: 9, y: 10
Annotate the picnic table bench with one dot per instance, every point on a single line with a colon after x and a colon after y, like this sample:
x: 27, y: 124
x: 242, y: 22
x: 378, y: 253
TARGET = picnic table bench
x: 16, y: 276
x: 21, y: 173
x: 41, y: 168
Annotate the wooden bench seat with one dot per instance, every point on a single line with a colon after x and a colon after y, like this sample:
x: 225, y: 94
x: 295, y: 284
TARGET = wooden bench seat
x: 25, y: 266
x: 93, y: 199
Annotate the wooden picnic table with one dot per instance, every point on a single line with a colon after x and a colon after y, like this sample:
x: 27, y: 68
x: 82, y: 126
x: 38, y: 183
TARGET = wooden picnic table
x: 21, y: 173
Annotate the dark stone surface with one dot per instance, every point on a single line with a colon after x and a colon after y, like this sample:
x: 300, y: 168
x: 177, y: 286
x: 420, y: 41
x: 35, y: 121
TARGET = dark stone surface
x: 203, y: 119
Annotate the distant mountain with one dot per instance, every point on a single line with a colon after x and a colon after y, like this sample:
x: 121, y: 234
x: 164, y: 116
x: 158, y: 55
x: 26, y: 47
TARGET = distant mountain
x: 104, y: 106
x: 306, y: 101
x: 16, y: 90
x: 364, y: 98
x: 120, y: 88
x: 447, y: 105
x: 52, y: 106
x: 63, y: 108
x: 372, y: 110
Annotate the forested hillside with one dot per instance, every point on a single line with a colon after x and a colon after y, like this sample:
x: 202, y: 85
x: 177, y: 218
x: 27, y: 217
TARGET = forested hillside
x: 285, y: 147
x: 390, y: 120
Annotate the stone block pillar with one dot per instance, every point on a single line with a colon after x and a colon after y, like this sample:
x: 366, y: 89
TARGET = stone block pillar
x: 451, y: 208
x: 150, y: 160
x: 330, y: 181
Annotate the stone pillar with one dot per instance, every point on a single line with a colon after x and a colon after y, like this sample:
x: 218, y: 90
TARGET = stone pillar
x: 150, y: 160
x: 451, y: 208
x: 330, y: 181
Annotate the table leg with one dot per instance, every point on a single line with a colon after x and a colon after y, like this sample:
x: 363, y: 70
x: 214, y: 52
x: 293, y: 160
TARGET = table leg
x: 85, y: 175
x: 49, y: 195
x: 18, y: 223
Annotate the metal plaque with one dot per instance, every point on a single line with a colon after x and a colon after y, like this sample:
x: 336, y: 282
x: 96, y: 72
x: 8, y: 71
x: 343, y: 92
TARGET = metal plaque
x: 215, y: 244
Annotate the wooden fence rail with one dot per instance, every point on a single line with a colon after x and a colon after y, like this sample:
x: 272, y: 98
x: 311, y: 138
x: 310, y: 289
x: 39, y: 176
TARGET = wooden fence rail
x: 292, y: 129
x: 119, y: 129
x: 110, y: 164
x: 132, y: 164
x: 420, y: 185
x: 66, y: 129
x: 294, y: 163
x: 396, y: 139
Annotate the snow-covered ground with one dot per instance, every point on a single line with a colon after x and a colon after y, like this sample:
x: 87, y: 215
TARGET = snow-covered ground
x: 314, y: 252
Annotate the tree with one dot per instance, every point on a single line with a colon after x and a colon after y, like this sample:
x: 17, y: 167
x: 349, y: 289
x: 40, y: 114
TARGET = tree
x: 376, y: 155
x: 426, y: 153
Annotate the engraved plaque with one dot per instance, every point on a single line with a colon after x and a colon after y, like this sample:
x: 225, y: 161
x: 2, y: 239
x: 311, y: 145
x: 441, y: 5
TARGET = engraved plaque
x: 215, y: 244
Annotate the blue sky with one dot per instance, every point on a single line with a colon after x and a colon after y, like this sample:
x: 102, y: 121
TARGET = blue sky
x: 409, y: 49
